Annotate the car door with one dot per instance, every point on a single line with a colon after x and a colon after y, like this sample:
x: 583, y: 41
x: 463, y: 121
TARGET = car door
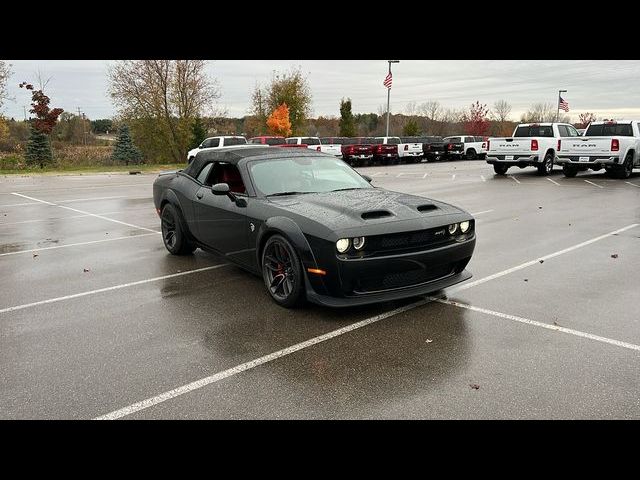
x: 221, y: 221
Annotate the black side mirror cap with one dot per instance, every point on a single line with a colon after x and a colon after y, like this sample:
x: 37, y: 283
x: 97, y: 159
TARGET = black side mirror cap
x: 367, y: 178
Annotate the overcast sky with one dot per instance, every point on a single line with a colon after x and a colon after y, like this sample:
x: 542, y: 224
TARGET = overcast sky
x: 607, y: 88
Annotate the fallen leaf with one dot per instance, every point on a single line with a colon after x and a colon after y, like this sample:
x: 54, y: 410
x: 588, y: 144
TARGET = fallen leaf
x: 526, y: 279
x: 35, y: 255
x: 85, y: 270
x: 541, y: 261
x: 428, y: 340
x: 475, y: 386
x: 539, y: 207
x: 615, y: 255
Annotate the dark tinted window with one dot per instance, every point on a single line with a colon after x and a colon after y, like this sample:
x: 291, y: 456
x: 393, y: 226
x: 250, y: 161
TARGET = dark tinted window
x: 333, y: 140
x: 393, y: 141
x: 292, y: 141
x: 563, y: 131
x: 255, y: 140
x: 234, y: 141
x: 572, y: 131
x: 377, y: 140
x: 453, y: 139
x: 204, y: 173
x: 311, y: 141
x: 609, y: 130
x: 275, y: 141
x: 211, y: 142
x: 534, y: 131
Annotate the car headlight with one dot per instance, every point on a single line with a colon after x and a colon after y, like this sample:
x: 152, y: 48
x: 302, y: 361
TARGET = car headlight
x: 464, y: 226
x: 342, y: 245
x: 452, y: 228
x: 358, y: 243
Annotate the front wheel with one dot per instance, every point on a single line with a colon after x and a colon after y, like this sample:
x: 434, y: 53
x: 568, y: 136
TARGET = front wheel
x: 173, y: 235
x: 547, y: 165
x: 282, y: 272
x: 500, y: 169
x: 569, y: 170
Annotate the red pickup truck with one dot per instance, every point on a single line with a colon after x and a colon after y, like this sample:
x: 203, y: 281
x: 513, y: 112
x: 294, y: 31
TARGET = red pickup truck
x: 274, y: 142
x: 358, y: 151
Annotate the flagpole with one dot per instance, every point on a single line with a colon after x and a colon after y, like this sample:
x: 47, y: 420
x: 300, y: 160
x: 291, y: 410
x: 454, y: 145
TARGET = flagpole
x: 558, y: 111
x: 389, y: 94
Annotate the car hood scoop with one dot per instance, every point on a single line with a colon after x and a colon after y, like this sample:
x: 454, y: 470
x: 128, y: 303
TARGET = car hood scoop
x: 376, y: 214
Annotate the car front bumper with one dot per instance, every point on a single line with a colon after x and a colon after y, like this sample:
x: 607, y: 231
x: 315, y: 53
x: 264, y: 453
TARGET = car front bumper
x: 362, y: 281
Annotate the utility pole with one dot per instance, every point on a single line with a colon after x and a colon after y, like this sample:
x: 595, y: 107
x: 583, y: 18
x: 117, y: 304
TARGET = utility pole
x: 389, y: 93
x: 558, y: 111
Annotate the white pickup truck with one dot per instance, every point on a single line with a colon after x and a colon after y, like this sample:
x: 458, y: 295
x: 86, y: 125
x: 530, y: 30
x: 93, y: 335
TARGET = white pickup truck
x: 409, y: 151
x: 532, y: 145
x: 467, y: 146
x: 314, y: 143
x: 612, y: 145
x: 216, y: 142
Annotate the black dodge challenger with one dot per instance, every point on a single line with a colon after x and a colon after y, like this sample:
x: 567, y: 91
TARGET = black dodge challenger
x: 313, y: 227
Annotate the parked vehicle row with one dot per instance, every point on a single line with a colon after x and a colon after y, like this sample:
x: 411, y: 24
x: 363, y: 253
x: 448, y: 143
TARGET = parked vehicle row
x: 610, y: 145
x: 363, y: 151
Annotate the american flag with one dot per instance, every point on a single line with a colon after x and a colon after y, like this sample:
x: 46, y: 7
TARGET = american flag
x: 387, y: 81
x: 563, y: 105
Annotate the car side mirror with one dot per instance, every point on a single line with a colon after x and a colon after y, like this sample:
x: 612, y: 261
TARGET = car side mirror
x: 367, y: 178
x: 221, y: 189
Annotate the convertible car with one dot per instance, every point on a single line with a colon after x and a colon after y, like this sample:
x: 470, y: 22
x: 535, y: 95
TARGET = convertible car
x: 313, y: 227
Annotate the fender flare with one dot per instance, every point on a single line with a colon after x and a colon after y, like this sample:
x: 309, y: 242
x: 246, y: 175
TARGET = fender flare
x: 169, y: 196
x: 290, y: 229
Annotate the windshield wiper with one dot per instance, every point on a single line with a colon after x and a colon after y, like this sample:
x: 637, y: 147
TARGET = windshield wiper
x: 281, y: 194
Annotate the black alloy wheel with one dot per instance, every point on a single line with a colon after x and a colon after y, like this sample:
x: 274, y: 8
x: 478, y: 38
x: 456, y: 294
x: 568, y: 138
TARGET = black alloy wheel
x: 173, y: 235
x: 282, y: 272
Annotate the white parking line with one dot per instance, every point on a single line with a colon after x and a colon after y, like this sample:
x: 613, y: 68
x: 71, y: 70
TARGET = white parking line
x: 163, y: 397
x: 19, y: 204
x: 537, y: 260
x: 86, y: 213
x: 594, y: 184
x: 548, y: 326
x: 514, y: 179
x: 107, y: 289
x: 552, y: 181
x: 76, y: 244
x: 81, y: 188
x: 203, y: 382
x: 632, y: 184
x: 425, y: 175
x: 101, y: 198
x: 71, y: 216
x: 480, y: 213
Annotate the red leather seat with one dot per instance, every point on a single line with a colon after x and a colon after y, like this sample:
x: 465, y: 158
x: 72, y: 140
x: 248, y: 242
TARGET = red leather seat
x: 231, y: 176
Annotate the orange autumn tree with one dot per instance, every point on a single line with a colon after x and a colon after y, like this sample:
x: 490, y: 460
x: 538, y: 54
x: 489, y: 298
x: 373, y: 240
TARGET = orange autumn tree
x: 278, y: 122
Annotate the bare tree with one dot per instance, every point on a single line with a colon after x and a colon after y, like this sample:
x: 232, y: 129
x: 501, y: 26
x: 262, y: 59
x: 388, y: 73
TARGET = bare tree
x: 432, y: 110
x: 501, y: 111
x: 5, y: 73
x: 163, y: 98
x: 411, y: 109
x: 542, y: 112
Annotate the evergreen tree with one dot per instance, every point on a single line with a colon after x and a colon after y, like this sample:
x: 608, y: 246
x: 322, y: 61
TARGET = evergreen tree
x: 347, y: 125
x: 124, y: 150
x: 198, y: 133
x: 38, y: 149
x: 411, y: 128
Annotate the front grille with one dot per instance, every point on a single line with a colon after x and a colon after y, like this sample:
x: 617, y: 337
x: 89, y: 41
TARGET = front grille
x: 401, y: 279
x: 409, y: 241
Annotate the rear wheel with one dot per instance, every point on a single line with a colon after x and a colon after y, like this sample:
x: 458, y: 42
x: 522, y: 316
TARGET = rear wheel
x: 173, y: 234
x: 471, y: 154
x: 569, y: 170
x: 627, y: 167
x: 282, y: 272
x: 546, y: 167
x: 500, y: 169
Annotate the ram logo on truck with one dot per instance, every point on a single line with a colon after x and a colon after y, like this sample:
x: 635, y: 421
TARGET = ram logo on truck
x: 578, y: 145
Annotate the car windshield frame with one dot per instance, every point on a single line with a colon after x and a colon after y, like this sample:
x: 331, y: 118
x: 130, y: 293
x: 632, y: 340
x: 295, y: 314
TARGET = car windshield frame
x: 298, y: 175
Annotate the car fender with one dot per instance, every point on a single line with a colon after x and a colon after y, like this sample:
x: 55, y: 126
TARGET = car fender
x: 169, y: 196
x: 290, y: 229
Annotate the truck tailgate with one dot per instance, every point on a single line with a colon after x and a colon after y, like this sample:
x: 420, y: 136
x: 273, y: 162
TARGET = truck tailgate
x: 506, y: 146
x: 587, y: 145
x: 411, y: 148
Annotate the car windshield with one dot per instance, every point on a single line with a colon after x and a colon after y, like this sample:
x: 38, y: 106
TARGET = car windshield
x: 304, y: 175
x: 609, y: 130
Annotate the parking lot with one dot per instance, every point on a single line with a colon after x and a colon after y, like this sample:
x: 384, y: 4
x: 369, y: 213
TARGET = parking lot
x: 97, y: 320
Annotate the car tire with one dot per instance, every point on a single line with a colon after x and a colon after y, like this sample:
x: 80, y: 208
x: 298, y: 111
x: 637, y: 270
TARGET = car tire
x: 569, y: 171
x: 500, y: 169
x: 282, y: 272
x: 547, y: 165
x: 174, y: 235
x: 471, y: 154
x: 626, y: 169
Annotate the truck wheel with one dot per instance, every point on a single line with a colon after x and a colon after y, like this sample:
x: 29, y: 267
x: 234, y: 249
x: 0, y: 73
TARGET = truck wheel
x: 500, y: 169
x: 627, y: 167
x: 471, y: 154
x: 569, y: 170
x: 547, y: 165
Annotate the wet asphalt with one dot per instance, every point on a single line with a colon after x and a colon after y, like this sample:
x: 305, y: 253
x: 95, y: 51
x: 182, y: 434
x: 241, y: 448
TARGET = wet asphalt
x: 93, y: 318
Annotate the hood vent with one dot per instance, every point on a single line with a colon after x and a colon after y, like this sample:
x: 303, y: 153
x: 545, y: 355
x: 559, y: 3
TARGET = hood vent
x: 427, y: 207
x: 375, y: 214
